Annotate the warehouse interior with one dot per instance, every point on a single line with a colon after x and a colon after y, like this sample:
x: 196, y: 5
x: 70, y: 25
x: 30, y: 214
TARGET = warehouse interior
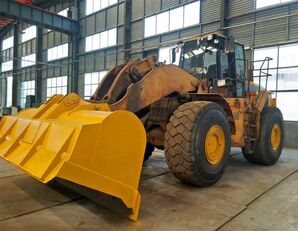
x: 68, y: 46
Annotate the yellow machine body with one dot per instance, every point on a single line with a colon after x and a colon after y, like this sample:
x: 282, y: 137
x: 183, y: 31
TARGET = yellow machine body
x: 80, y: 142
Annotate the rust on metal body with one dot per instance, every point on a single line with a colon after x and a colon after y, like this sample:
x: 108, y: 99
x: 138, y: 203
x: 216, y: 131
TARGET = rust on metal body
x: 157, y: 84
x: 111, y: 90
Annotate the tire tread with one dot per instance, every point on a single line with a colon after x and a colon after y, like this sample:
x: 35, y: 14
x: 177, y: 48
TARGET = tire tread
x: 179, y: 142
x: 260, y: 156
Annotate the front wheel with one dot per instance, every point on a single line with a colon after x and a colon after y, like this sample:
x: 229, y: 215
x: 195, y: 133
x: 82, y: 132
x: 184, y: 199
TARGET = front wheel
x: 198, y: 141
x: 271, y: 138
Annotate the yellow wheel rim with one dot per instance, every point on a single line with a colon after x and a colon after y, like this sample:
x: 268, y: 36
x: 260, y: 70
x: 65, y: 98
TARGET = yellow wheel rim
x: 275, y: 136
x: 215, y: 144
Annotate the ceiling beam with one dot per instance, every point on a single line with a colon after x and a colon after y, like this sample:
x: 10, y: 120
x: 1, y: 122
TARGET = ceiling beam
x: 46, y: 4
x: 37, y: 16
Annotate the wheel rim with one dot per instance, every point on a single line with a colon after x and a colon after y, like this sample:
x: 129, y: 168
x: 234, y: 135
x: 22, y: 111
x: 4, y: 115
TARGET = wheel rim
x: 275, y: 136
x: 215, y: 144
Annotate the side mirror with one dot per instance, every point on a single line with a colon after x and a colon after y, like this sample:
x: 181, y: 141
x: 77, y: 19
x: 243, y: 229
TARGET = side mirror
x: 173, y: 55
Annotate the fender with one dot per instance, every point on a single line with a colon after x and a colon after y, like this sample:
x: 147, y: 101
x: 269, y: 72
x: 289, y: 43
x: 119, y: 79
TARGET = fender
x: 216, y: 98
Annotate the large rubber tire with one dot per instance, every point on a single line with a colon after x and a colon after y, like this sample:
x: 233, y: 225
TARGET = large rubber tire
x: 185, y: 142
x: 264, y: 153
x: 148, y: 152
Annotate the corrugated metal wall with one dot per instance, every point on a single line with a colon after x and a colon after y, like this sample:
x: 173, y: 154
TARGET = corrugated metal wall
x: 263, y: 27
x: 268, y: 31
x: 268, y: 26
x: 103, y: 59
x: 5, y: 56
x: 140, y: 9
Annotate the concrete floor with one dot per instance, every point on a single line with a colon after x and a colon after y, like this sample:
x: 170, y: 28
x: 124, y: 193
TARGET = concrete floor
x: 248, y: 197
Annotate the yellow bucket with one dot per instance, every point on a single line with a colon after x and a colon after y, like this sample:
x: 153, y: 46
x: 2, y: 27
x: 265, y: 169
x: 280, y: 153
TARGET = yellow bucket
x: 80, y: 142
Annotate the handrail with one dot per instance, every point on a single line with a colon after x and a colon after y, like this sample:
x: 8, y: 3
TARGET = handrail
x: 263, y: 73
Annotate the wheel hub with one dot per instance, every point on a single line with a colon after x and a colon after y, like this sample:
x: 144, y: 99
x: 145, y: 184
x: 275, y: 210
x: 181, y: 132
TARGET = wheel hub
x: 215, y: 144
x: 275, y: 136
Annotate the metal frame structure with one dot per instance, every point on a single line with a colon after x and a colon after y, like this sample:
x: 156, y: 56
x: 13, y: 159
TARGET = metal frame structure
x: 37, y: 16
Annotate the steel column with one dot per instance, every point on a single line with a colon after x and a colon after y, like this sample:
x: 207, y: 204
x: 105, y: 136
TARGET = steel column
x: 127, y: 28
x: 75, y: 39
x: 223, y: 16
x: 16, y: 65
x: 39, y: 66
x: 3, y: 94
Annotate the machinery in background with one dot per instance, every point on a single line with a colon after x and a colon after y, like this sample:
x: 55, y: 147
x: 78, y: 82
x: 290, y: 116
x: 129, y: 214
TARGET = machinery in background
x: 195, y: 111
x: 30, y: 101
x: 5, y: 111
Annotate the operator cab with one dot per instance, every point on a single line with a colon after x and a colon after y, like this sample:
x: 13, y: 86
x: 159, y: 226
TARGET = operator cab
x: 217, y: 58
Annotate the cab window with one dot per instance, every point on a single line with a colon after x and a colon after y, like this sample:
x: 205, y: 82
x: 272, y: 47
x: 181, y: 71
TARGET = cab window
x: 240, y: 62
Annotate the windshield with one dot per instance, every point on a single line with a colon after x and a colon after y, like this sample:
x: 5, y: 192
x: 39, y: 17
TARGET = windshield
x: 198, y: 61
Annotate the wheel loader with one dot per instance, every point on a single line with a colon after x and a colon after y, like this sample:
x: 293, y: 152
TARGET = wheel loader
x: 196, y: 111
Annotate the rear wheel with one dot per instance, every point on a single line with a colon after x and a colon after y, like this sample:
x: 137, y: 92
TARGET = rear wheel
x: 198, y: 140
x: 271, y: 138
